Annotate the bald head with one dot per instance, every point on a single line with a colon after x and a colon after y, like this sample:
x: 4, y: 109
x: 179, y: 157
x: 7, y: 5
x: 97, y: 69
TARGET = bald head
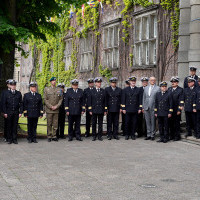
x: 152, y: 80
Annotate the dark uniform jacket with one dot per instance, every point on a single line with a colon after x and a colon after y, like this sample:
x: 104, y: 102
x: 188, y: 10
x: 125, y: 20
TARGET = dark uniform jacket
x: 113, y: 99
x: 12, y: 103
x: 96, y: 102
x: 177, y: 98
x: 163, y: 104
x: 86, y: 94
x: 131, y: 99
x: 186, y: 81
x: 74, y: 103
x: 189, y: 96
x: 1, y: 99
x: 62, y: 107
x: 196, y: 100
x: 33, y: 106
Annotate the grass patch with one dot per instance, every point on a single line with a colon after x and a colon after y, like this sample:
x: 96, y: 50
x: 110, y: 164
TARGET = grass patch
x: 42, y: 126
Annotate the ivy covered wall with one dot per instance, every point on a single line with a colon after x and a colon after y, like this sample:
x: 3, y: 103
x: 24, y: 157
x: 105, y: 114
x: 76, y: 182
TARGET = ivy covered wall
x: 52, y: 50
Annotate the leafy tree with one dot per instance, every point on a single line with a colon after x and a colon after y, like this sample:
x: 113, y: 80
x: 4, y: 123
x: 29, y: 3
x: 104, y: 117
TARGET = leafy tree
x: 22, y: 19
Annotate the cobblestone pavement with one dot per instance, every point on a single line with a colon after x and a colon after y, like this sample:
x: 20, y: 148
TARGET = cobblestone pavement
x: 107, y: 170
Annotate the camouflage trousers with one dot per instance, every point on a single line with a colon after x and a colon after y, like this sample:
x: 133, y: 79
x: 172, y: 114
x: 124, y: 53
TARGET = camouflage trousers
x: 52, y: 124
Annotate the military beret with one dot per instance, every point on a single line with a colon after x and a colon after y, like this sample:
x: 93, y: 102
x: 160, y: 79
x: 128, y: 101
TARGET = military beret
x: 132, y: 78
x: 98, y: 79
x: 163, y: 83
x: 90, y: 80
x: 174, y: 79
x: 144, y: 79
x: 190, y: 79
x: 33, y: 84
x: 61, y: 85
x: 113, y: 80
x: 53, y: 79
x: 193, y: 68
x: 12, y: 82
x: 7, y: 82
x: 74, y: 81
x: 127, y: 82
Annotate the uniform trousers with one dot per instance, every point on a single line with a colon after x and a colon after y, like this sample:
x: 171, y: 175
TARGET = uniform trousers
x: 52, y: 125
x: 12, y: 124
x: 74, y: 126
x: 95, y: 118
x: 32, y: 127
x: 112, y: 124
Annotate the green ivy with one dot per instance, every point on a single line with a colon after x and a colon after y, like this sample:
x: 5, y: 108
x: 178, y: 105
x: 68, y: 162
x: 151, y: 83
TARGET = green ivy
x: 53, y: 49
x: 105, y: 72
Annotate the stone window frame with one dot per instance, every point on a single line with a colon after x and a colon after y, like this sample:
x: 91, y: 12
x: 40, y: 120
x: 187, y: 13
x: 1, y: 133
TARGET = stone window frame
x: 145, y: 40
x: 67, y: 53
x: 86, y: 53
x: 112, y: 45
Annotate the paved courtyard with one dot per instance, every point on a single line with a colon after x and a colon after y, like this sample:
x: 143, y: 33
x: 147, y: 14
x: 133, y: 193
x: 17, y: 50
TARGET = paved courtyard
x: 108, y: 170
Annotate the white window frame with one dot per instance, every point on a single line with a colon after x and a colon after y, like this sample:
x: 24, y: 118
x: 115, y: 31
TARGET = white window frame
x: 145, y: 39
x: 67, y: 53
x: 86, y: 55
x: 110, y: 46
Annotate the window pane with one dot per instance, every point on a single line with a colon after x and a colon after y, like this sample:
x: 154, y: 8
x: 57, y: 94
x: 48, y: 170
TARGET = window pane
x: 116, y: 35
x: 155, y: 26
x: 105, y: 38
x: 110, y: 37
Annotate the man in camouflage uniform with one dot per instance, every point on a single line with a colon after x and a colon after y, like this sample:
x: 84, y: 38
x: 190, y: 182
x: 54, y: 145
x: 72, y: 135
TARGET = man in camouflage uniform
x: 53, y: 98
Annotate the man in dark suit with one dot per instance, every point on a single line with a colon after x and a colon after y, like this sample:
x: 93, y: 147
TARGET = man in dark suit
x: 196, y: 108
x: 127, y: 84
x: 12, y: 110
x: 61, y: 116
x: 192, y: 75
x: 33, y: 108
x: 163, y: 111
x: 177, y: 98
x: 113, y: 102
x: 74, y: 107
x: 142, y: 129
x: 190, y: 113
x: 131, y: 106
x: 86, y: 95
x: 96, y: 107
x: 1, y: 108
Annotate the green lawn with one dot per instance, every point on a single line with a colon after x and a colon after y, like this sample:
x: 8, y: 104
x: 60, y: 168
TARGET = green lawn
x: 41, y: 129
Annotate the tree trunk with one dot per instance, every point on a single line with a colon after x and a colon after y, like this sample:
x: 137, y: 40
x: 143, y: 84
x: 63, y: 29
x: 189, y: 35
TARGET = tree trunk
x: 8, y: 59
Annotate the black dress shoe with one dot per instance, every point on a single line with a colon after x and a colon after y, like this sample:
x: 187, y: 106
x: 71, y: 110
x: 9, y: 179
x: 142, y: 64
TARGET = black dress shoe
x: 147, y: 138
x: 49, y: 139
x: 133, y: 137
x: 15, y: 142
x: 94, y: 138
x: 70, y: 139
x: 116, y: 138
x: 165, y: 141
x: 109, y: 138
x: 87, y: 135
x: 35, y: 141
x: 55, y: 139
x: 79, y: 139
x: 100, y: 138
x: 152, y: 138
x: 62, y: 137
x: 177, y: 138
x: 160, y: 140
x: 126, y: 137
x: 10, y: 142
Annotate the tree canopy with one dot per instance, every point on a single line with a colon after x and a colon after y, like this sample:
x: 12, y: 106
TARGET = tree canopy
x: 21, y: 19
